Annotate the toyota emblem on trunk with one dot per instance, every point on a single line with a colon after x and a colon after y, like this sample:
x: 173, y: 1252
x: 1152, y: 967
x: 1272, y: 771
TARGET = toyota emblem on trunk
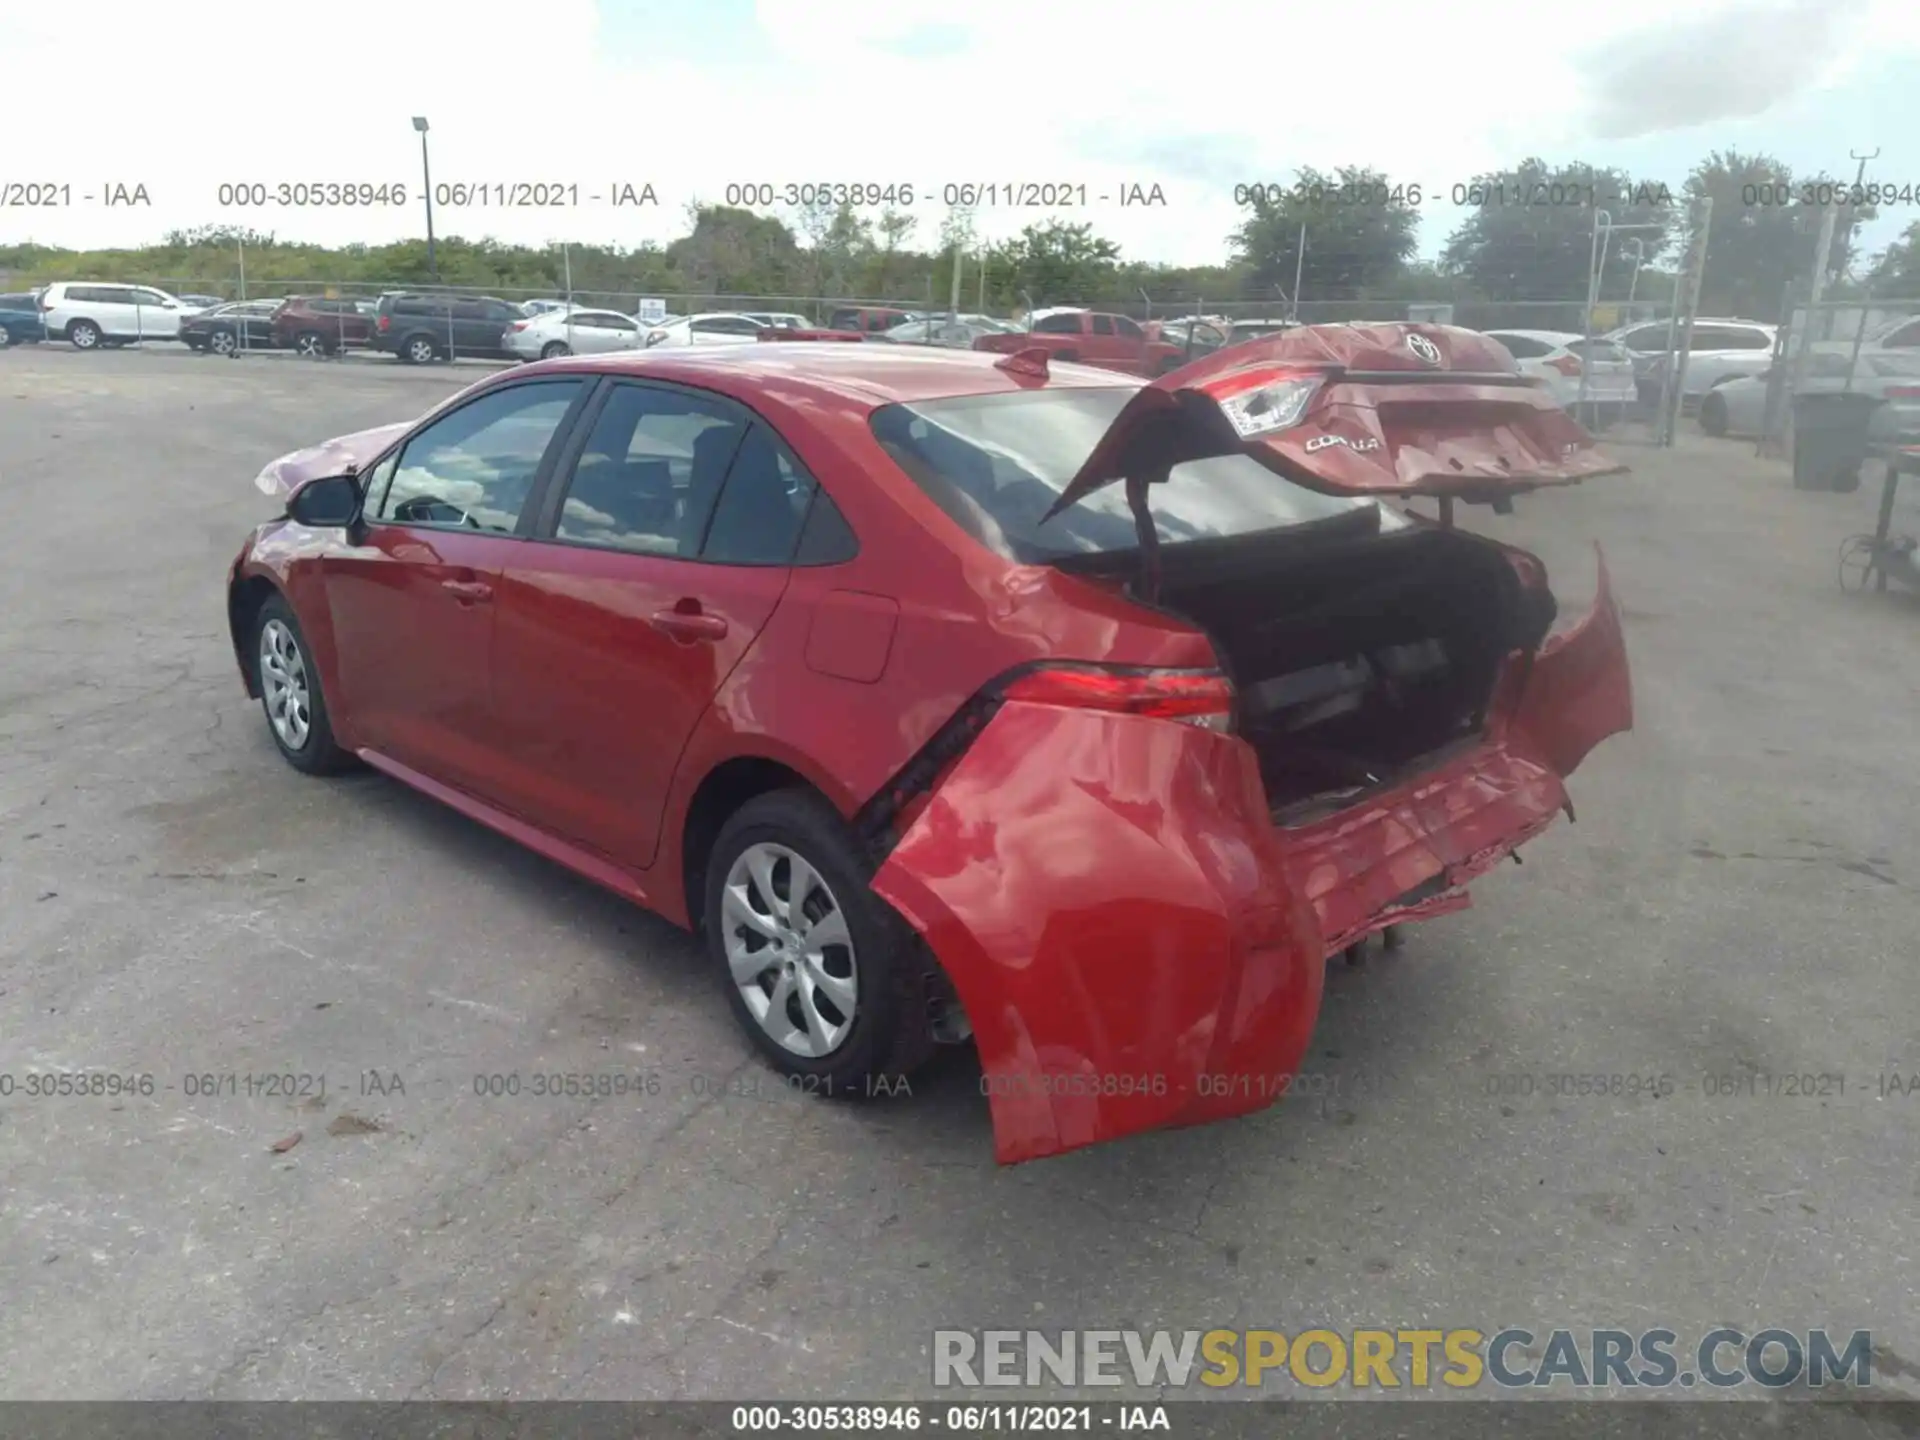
x: 1424, y: 348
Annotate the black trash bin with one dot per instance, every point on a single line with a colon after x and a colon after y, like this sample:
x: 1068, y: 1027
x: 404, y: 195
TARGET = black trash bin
x: 1830, y: 439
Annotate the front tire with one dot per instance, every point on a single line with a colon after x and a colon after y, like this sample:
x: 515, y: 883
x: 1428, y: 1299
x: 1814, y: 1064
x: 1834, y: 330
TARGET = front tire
x: 1713, y: 415
x: 290, y: 693
x: 83, y: 335
x: 819, y: 971
x: 311, y: 343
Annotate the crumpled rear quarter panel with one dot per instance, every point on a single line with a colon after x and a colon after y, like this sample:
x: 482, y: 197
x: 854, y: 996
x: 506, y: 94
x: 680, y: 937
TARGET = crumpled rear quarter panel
x: 1104, y: 894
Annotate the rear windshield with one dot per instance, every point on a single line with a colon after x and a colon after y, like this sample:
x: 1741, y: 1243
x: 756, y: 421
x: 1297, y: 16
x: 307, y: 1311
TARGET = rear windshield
x: 1604, y: 350
x: 997, y: 463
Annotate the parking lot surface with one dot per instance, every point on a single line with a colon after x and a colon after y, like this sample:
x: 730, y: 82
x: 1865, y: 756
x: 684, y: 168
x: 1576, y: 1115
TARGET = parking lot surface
x: 1735, y: 908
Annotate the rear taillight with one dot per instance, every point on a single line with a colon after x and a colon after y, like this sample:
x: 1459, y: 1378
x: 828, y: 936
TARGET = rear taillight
x: 517, y: 326
x: 1903, y: 392
x: 383, y: 324
x: 1263, y: 401
x: 1566, y: 364
x: 1193, y: 697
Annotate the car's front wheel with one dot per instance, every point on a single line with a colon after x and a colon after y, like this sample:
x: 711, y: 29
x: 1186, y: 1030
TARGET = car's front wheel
x: 290, y: 693
x: 818, y: 970
x: 83, y: 335
x: 1713, y: 414
x: 310, y: 343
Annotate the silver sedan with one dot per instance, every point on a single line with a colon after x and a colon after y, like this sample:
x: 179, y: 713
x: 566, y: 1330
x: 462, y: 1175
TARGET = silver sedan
x: 573, y: 332
x: 1738, y: 406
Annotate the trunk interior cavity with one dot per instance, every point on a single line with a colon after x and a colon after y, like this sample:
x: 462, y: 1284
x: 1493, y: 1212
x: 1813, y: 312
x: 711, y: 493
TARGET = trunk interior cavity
x: 1362, y: 660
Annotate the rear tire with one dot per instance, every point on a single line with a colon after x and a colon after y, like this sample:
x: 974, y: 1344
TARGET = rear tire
x: 83, y: 335
x: 222, y: 343
x: 312, y: 344
x: 419, y: 350
x: 843, y: 1015
x: 1713, y: 415
x: 554, y: 349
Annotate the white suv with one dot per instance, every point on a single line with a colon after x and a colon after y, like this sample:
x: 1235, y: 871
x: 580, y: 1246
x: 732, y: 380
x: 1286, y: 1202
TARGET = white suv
x: 1721, y: 350
x: 88, y: 316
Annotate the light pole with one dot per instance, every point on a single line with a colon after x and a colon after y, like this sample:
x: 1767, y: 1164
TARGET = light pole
x: 426, y: 183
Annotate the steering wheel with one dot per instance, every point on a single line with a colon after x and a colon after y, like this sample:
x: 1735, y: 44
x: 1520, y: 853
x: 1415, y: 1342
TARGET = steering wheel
x: 432, y: 510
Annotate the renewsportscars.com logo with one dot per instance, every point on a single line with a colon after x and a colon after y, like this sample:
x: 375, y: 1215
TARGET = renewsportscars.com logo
x: 1361, y: 1359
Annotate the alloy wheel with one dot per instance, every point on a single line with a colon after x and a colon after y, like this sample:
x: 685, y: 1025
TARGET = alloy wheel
x: 222, y: 342
x: 789, y: 950
x: 283, y: 684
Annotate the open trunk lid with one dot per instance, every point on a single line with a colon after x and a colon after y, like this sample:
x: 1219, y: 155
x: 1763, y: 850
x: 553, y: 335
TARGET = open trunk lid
x: 1391, y: 409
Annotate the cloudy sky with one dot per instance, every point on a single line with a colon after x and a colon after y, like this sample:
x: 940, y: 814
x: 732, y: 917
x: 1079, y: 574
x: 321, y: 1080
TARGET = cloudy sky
x: 693, y: 95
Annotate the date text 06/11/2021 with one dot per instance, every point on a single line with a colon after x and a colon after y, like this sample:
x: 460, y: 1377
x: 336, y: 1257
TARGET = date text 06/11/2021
x: 954, y: 1419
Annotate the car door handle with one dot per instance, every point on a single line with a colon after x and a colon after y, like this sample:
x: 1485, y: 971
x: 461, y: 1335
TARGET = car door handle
x: 473, y: 590
x: 689, y: 625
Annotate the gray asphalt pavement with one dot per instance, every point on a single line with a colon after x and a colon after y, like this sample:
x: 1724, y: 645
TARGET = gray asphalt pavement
x: 1736, y: 908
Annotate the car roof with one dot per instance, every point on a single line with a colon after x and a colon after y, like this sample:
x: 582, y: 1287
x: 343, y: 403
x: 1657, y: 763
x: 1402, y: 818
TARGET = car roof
x: 1548, y: 337
x: 860, y: 375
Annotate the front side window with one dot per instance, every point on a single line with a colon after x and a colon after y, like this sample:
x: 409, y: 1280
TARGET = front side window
x: 1127, y: 328
x: 997, y: 463
x: 475, y: 468
x: 1068, y: 324
x: 650, y: 473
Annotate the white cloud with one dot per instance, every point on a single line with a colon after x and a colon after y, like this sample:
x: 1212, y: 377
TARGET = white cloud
x: 1191, y: 95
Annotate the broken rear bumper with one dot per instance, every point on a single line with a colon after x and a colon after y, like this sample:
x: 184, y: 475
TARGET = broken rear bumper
x: 1138, y: 946
x: 1105, y: 894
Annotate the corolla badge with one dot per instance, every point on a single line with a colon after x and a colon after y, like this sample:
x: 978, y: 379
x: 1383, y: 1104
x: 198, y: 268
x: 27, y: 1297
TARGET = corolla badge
x: 1321, y: 442
x: 1424, y: 348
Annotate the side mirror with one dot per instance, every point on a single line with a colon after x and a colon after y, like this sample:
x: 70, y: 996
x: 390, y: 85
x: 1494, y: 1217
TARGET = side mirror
x: 330, y: 501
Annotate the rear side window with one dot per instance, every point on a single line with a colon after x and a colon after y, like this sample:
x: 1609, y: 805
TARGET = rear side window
x: 650, y: 473
x: 997, y: 463
x: 762, y: 505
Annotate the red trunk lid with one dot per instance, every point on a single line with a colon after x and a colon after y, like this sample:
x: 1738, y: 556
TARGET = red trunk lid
x: 1393, y: 409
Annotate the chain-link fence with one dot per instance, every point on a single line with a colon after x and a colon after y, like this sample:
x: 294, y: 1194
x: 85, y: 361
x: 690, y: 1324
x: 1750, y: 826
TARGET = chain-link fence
x: 1565, y: 316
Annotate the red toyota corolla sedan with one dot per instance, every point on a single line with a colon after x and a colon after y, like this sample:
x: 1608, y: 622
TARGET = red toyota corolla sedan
x: 950, y: 695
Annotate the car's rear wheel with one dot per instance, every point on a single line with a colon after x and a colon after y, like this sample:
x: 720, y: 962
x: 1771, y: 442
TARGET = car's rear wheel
x: 83, y: 335
x: 290, y: 693
x: 818, y: 970
x: 554, y: 349
x: 1713, y: 415
x: 223, y: 342
x: 6, y: 337
x: 311, y: 343
x: 419, y: 351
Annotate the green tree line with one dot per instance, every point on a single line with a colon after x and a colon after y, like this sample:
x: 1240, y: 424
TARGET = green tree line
x: 1349, y: 236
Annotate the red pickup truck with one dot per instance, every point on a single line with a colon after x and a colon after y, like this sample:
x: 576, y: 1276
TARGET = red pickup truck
x: 1091, y: 337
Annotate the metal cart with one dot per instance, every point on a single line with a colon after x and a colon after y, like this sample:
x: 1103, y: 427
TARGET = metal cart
x: 1883, y: 555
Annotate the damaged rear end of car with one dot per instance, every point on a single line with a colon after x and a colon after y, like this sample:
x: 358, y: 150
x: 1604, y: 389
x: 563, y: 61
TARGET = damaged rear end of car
x: 1133, y: 875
